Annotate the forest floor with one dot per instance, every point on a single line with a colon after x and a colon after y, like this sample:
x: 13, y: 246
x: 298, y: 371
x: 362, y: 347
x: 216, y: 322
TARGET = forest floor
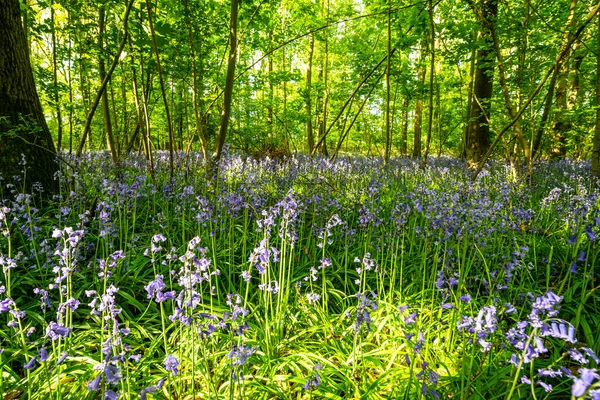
x: 302, y: 278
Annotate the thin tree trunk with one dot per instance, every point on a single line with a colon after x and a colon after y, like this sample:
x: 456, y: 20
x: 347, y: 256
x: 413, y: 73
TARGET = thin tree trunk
x: 70, y: 79
x: 322, y: 145
x: 110, y: 142
x: 271, y: 92
x: 567, y: 40
x: 479, y: 130
x: 561, y: 126
x: 404, y: 136
x: 162, y: 90
x: 418, y: 124
x: 55, y: 82
x: 431, y: 77
x: 142, y: 114
x: 200, y: 126
x: 507, y: 96
x: 308, y: 102
x: 102, y: 88
x: 596, y: 140
x: 228, y: 92
x: 388, y: 131
x: 468, y: 114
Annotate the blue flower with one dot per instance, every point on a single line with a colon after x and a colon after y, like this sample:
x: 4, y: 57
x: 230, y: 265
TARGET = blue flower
x: 31, y: 363
x: 95, y: 384
x: 585, y: 380
x: 172, y: 364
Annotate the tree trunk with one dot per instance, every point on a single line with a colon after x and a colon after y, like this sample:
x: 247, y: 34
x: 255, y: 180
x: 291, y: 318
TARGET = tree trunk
x: 478, y: 137
x: 561, y: 126
x: 162, y: 90
x: 388, y: 130
x: 404, y: 136
x: 271, y: 102
x: 101, y: 90
x: 110, y: 142
x: 23, y: 129
x: 421, y: 72
x: 431, y: 77
x: 596, y: 140
x: 228, y: 92
x: 308, y: 101
x: 199, y: 122
x: 55, y: 82
x: 567, y: 38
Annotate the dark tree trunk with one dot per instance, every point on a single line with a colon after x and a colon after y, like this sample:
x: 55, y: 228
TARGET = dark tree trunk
x: 596, y: 140
x: 478, y: 137
x: 23, y: 130
x: 418, y: 124
x: 228, y: 92
x: 308, y: 101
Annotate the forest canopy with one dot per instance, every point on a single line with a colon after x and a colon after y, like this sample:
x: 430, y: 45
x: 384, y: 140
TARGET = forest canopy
x: 378, y: 77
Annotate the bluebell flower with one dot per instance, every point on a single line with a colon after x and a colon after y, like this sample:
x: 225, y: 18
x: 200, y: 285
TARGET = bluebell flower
x: 94, y: 385
x: 62, y: 358
x: 239, y: 354
x: 31, y: 363
x: 410, y: 319
x: 112, y: 374
x: 547, y: 387
x: 584, y: 381
x: 152, y: 389
x: 172, y: 364
x: 465, y: 298
x: 43, y: 355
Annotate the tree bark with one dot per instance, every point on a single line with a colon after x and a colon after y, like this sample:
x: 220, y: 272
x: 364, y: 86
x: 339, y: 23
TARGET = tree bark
x: 478, y: 137
x: 94, y: 105
x: 23, y: 129
x: 162, y: 90
x: 110, y: 141
x: 418, y: 124
x: 561, y: 126
x: 308, y: 101
x: 430, y: 9
x: 596, y: 140
x: 228, y: 92
x: 404, y: 135
x: 567, y: 40
x: 55, y: 82
x: 388, y: 129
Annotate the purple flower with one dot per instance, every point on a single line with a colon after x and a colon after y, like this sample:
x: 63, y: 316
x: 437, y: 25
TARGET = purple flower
x: 573, y: 268
x: 62, y: 358
x: 95, y: 384
x: 410, y: 319
x: 112, y: 374
x: 172, y: 364
x: 585, y: 380
x: 43, y: 354
x: 31, y: 363
x: 110, y: 395
x: 239, y: 354
x: 547, y: 387
x: 54, y: 331
x: 466, y: 298
x: 5, y: 305
x: 152, y: 389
